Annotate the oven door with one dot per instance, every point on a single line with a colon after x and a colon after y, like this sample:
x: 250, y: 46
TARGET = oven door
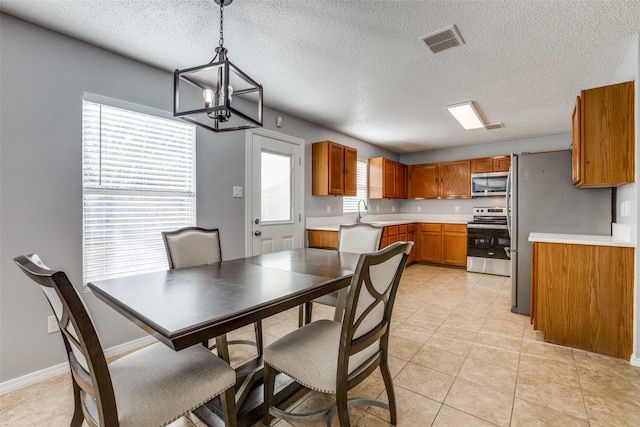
x: 488, y: 242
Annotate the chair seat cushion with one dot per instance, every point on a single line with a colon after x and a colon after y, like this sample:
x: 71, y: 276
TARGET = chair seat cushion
x: 157, y: 385
x: 309, y: 355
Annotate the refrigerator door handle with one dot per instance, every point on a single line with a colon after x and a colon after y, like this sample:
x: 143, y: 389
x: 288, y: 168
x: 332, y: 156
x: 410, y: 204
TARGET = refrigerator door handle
x: 506, y: 200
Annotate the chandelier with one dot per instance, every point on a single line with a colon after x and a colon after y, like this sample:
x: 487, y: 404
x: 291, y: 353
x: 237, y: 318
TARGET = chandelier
x: 217, y: 96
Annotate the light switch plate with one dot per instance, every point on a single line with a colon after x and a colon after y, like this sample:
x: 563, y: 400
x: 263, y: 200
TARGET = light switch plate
x: 237, y: 191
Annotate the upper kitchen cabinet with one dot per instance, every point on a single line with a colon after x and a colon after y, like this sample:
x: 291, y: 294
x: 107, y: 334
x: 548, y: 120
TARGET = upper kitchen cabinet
x: 455, y: 179
x: 423, y: 181
x: 450, y: 180
x: 603, y: 135
x: 387, y: 179
x: 491, y: 164
x: 333, y: 169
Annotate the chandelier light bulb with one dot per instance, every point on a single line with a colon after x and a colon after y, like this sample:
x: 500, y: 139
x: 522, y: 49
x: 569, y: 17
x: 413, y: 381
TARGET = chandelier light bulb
x: 221, y: 95
x: 208, y: 96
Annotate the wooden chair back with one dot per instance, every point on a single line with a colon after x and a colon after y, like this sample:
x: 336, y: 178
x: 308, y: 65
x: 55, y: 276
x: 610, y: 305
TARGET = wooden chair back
x: 91, y: 378
x: 368, y: 311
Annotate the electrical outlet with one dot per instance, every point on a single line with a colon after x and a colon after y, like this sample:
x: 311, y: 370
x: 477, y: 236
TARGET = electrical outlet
x: 52, y: 325
x: 419, y: 209
x: 328, y: 208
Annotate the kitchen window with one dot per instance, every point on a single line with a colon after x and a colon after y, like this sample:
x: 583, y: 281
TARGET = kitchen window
x: 350, y: 204
x: 138, y: 180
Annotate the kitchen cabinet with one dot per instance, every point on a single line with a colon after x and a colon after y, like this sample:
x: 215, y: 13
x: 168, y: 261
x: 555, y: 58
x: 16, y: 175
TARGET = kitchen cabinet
x: 449, y: 180
x: 491, y: 164
x: 323, y: 239
x: 333, y: 169
x: 430, y: 243
x: 454, y: 244
x: 387, y: 179
x: 455, y: 179
x: 327, y: 239
x: 603, y: 136
x: 582, y: 296
x: 411, y: 237
x: 399, y: 233
x: 443, y: 244
x: 423, y: 181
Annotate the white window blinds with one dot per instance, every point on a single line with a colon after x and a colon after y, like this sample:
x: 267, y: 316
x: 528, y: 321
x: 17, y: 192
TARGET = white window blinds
x: 138, y: 180
x: 350, y: 204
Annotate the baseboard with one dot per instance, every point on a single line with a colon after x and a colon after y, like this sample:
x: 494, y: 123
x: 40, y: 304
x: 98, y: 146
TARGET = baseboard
x: 635, y: 361
x: 52, y: 371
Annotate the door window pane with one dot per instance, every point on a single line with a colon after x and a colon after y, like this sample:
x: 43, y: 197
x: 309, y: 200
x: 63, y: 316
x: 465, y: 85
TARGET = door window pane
x: 276, y: 187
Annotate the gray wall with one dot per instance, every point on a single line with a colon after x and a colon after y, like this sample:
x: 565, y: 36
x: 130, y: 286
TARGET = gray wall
x: 42, y: 77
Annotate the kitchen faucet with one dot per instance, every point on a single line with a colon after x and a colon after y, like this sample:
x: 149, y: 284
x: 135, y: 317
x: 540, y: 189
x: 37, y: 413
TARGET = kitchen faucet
x: 365, y: 209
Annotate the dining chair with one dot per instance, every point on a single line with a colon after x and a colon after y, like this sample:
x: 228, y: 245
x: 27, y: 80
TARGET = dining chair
x: 333, y: 357
x: 357, y: 238
x: 153, y: 386
x: 195, y: 246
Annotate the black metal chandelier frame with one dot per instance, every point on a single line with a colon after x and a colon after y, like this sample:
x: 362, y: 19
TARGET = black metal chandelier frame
x: 217, y: 113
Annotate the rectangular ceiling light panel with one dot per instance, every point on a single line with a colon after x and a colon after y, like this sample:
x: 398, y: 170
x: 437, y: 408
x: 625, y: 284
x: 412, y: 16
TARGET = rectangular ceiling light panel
x: 466, y: 115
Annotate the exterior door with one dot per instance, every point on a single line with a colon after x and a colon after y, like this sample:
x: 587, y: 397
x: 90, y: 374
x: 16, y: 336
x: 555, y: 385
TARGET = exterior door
x: 274, y: 192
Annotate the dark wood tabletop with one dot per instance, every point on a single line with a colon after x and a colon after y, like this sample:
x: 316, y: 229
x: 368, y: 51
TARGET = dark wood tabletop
x: 187, y: 306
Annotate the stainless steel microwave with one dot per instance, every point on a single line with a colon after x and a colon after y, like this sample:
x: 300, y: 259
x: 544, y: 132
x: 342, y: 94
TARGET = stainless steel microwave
x: 489, y: 184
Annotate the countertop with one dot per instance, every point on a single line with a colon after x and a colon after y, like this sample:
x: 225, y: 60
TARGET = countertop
x: 580, y: 239
x: 331, y: 223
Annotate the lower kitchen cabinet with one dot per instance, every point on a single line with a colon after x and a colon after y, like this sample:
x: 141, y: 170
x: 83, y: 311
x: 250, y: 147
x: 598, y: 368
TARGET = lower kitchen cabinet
x: 582, y: 296
x: 454, y: 244
x: 399, y: 233
x: 430, y: 243
x: 322, y: 239
x: 325, y: 239
x: 443, y: 244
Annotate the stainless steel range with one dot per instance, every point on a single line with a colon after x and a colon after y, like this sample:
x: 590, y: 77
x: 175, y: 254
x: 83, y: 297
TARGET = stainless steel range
x: 488, y: 242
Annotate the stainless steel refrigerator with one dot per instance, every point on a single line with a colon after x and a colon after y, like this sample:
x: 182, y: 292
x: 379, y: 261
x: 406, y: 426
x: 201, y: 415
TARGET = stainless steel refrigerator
x: 542, y: 199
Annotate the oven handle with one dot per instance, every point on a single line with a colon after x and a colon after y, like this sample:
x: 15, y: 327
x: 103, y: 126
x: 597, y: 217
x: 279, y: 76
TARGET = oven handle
x: 488, y: 226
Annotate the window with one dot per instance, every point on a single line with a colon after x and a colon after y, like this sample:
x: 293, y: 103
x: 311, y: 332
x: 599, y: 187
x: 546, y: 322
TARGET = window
x: 350, y: 204
x: 275, y: 200
x: 138, y: 180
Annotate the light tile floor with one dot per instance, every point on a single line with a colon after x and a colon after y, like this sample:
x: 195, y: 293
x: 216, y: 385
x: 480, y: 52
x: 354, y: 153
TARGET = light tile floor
x: 458, y: 356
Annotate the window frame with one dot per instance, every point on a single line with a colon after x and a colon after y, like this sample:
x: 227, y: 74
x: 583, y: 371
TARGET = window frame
x: 177, y: 192
x: 350, y: 203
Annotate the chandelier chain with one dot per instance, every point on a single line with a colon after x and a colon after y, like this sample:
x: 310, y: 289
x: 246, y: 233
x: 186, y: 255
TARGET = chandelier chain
x: 221, y: 41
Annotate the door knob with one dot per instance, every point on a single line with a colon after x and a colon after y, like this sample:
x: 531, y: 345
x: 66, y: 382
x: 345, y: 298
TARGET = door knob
x: 256, y: 221
x: 257, y: 233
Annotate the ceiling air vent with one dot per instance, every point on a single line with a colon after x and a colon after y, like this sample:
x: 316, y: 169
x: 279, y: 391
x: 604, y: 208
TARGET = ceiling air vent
x: 443, y: 39
x: 494, y: 126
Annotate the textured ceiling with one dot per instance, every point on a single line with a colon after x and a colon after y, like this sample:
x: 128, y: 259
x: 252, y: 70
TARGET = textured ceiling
x: 360, y: 67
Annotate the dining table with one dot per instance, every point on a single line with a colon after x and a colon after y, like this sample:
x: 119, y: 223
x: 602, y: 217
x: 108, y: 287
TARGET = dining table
x: 188, y: 306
